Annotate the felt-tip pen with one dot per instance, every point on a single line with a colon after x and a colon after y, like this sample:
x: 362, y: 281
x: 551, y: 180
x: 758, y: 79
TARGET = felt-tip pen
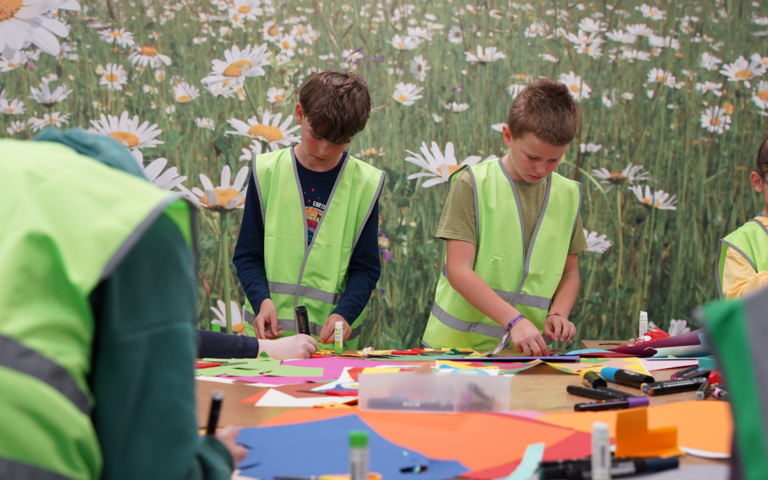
x: 673, y: 386
x: 720, y: 394
x: 595, y: 393
x: 703, y: 391
x: 699, y: 372
x: 217, y: 396
x: 580, y: 470
x: 625, y: 377
x: 677, y: 375
x: 592, y: 379
x: 613, y: 404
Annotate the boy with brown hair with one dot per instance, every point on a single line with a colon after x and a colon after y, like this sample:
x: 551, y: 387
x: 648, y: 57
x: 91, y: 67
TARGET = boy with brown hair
x: 310, y: 229
x: 514, y: 231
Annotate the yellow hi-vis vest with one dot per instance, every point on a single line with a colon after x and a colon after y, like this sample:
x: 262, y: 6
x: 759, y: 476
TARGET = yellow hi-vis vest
x: 314, y: 274
x: 751, y: 242
x: 527, y: 282
x: 68, y: 223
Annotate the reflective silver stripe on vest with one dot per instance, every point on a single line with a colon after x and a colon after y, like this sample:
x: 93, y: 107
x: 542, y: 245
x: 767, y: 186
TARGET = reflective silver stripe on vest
x: 304, y: 291
x: 315, y: 328
x: 740, y: 252
x: 24, y: 360
x: 258, y: 189
x: 765, y: 229
x: 466, y: 327
x: 370, y: 209
x: 23, y: 471
x: 578, y: 212
x: 516, y: 298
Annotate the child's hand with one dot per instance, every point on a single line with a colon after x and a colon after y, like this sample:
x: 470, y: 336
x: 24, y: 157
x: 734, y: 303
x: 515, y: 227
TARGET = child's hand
x: 559, y: 329
x: 297, y: 346
x: 328, y: 332
x: 228, y: 436
x: 526, y: 338
x: 265, y: 323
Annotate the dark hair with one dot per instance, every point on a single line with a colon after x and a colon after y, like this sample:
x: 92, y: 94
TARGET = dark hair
x: 336, y: 104
x: 761, y: 164
x: 547, y: 110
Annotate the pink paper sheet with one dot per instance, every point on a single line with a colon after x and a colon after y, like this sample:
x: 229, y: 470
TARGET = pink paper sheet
x: 653, y: 365
x: 332, y: 369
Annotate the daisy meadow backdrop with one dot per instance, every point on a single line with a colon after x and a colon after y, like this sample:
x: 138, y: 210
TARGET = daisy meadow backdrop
x: 674, y: 97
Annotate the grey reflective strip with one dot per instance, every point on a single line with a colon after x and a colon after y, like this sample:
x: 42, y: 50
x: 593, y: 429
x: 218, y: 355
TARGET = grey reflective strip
x: 370, y: 210
x: 258, y: 189
x: 756, y: 309
x: 519, y: 210
x: 24, y: 360
x: 738, y: 250
x: 578, y: 212
x: 477, y: 212
x: 308, y: 249
x: 717, y: 273
x: 515, y: 298
x: 248, y: 317
x: 303, y: 208
x: 426, y: 344
x: 466, y: 327
x: 304, y: 291
x: 22, y: 471
x: 137, y: 233
x: 315, y: 328
x: 765, y: 229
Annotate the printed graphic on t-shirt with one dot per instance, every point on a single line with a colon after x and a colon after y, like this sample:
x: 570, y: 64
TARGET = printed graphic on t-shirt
x: 315, y: 212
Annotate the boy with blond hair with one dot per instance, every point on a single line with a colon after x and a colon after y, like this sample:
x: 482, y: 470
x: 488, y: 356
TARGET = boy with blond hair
x: 310, y: 229
x: 514, y: 231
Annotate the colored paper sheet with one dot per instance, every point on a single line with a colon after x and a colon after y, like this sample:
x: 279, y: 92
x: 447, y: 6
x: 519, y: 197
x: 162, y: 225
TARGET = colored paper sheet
x: 560, y: 358
x: 216, y: 379
x: 701, y: 425
x: 272, y: 381
x: 653, y: 365
x: 627, y: 363
x: 241, y: 366
x: 650, y: 349
x: 294, y: 371
x: 634, y: 438
x: 529, y: 463
x: 274, y: 398
x: 292, y: 450
x: 332, y: 367
x: 689, y: 472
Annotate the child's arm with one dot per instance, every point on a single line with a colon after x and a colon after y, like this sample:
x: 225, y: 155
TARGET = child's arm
x: 462, y: 277
x: 560, y: 328
x: 739, y: 278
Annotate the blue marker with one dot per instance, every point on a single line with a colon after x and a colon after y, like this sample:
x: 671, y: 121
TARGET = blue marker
x: 625, y: 377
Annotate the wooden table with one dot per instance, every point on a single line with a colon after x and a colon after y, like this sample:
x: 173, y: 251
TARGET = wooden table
x: 541, y: 388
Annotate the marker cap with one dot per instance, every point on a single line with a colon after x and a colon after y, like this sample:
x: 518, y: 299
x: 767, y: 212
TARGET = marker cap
x: 638, y: 402
x: 358, y: 439
x: 600, y: 429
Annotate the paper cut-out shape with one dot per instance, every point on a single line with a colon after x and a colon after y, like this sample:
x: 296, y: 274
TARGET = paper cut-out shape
x: 635, y: 439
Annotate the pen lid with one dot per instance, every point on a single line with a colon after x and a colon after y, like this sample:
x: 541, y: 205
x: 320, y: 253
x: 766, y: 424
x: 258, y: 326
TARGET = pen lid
x: 638, y: 402
x: 609, y: 373
x: 358, y: 439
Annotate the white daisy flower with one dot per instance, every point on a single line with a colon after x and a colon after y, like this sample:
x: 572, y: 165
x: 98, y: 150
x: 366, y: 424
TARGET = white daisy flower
x: 595, y: 243
x: 713, y: 87
x: 407, y: 93
x: 169, y: 109
x: 55, y: 119
x: 577, y: 87
x: 184, y: 92
x: 760, y: 96
x: 287, y: 44
x: 590, y: 25
x: 405, y: 43
x: 12, y: 107
x: 118, y: 36
x: 271, y: 32
x: 169, y: 179
x: 31, y: 21
x: 640, y: 30
x: 238, y: 64
x: 68, y: 51
x: 223, y: 197
x: 269, y: 130
x: 256, y: 148
x: 455, y: 35
x: 498, y: 127
x: 515, y: 89
x: 659, y: 75
x: 621, y: 36
x: 148, y: 56
x: 276, y: 96
x: 159, y: 75
x: 114, y: 77
x: 590, y: 147
x: 205, y: 122
x: 438, y: 165
x: 489, y: 55
x: 658, y: 199
x: 756, y: 57
x: 127, y: 131
x: 47, y: 98
x: 632, y: 55
x: 419, y: 68
x: 652, y: 12
x: 456, y: 107
x: 549, y: 57
x: 247, y: 9
x: 12, y: 62
x: 16, y: 127
x: 631, y: 174
x: 715, y: 120
x: 743, y: 71
x: 220, y: 313
x: 535, y: 29
x: 219, y: 89
x: 437, y: 118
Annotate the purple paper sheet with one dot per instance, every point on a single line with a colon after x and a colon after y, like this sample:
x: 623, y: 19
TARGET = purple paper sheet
x: 649, y: 349
x: 332, y: 369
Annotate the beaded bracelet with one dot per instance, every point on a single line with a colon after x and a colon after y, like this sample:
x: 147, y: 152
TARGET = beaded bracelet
x: 514, y: 321
x: 558, y: 314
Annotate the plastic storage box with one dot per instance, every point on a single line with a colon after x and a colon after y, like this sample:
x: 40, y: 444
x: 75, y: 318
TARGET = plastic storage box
x: 444, y: 393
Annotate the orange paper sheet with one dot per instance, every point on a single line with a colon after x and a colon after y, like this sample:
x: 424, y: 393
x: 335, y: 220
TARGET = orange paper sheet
x: 702, y: 425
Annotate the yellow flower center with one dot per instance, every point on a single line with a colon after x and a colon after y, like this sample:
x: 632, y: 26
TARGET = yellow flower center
x: 647, y: 201
x: 301, y: 31
x: 285, y: 44
x: 418, y: 67
x: 8, y: 8
x: 222, y: 197
x: 574, y: 88
x: 236, y: 69
x: 402, y: 98
x: 659, y: 78
x: 743, y: 75
x: 272, y: 31
x: 148, y: 51
x: 111, y: 77
x: 279, y: 97
x: 451, y: 169
x: 763, y: 94
x: 270, y: 133
x: 184, y: 98
x: 400, y: 45
x: 126, y: 138
x: 244, y: 9
x: 728, y: 107
x: 116, y: 34
x: 714, y: 121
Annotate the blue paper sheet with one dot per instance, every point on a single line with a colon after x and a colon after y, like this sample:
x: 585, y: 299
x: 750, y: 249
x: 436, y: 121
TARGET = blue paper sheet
x: 322, y: 447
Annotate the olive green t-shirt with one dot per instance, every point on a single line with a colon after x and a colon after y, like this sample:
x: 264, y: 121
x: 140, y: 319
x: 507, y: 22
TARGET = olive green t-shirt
x: 458, y: 219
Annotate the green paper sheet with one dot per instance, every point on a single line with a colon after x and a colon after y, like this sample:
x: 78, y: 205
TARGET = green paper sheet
x: 253, y: 367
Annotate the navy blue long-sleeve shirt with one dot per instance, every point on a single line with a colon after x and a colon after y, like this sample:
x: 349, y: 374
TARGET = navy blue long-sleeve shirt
x: 364, y: 264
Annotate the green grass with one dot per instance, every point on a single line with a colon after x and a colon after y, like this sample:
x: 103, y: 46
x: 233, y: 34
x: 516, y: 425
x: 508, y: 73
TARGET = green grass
x: 665, y: 258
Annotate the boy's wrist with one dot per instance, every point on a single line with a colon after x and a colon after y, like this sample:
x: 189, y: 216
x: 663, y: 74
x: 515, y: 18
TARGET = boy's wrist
x: 517, y: 319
